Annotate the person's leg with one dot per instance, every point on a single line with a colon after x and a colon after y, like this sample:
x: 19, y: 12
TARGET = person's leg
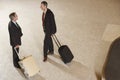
x: 51, y: 47
x: 15, y: 58
x: 46, y: 47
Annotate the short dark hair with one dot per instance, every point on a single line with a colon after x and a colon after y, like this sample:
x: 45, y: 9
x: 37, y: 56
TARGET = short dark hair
x: 44, y: 3
x: 12, y: 15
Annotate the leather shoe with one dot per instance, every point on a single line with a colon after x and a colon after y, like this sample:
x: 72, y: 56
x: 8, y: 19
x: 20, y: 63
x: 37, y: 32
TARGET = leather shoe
x: 18, y: 67
x: 45, y: 59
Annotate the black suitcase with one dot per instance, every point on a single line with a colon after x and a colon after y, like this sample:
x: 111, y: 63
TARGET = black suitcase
x: 64, y: 51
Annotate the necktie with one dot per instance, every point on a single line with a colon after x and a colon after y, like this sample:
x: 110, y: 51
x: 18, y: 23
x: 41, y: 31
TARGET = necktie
x: 17, y: 25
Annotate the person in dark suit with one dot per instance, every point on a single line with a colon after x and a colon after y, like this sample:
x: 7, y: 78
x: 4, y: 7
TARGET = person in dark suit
x: 15, y: 33
x: 49, y: 27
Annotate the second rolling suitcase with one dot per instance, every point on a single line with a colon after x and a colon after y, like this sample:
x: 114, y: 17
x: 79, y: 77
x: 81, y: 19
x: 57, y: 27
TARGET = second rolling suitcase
x: 29, y: 65
x: 64, y: 51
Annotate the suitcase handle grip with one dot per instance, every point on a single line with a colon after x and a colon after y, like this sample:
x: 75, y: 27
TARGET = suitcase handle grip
x: 56, y: 40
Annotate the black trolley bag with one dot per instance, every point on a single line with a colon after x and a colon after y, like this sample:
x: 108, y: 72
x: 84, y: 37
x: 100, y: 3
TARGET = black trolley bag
x: 64, y: 51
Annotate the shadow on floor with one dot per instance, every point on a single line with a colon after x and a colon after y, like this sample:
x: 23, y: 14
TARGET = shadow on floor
x: 36, y: 77
x: 73, y: 68
x: 21, y: 73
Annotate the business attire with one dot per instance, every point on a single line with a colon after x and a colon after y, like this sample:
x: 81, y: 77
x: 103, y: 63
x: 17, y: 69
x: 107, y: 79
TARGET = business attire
x: 49, y: 27
x: 15, y: 33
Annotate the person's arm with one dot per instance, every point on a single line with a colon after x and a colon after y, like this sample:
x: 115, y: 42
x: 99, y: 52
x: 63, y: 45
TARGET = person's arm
x: 21, y: 34
x: 53, y: 24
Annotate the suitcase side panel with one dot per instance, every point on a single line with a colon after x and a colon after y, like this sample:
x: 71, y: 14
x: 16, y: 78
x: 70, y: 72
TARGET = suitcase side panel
x: 30, y: 66
x: 65, y: 53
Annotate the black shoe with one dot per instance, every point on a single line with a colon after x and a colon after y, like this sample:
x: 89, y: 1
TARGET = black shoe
x: 45, y: 59
x: 50, y: 53
x: 18, y: 67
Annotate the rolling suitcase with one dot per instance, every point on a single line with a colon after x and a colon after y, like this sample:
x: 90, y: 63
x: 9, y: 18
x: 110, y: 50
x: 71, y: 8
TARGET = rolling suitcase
x: 64, y: 51
x: 28, y: 65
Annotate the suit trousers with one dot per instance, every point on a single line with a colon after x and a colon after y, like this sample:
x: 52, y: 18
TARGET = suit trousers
x: 48, y: 44
x: 15, y: 58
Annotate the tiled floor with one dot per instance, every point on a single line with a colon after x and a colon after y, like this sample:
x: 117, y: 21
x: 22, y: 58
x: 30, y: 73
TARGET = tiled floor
x: 81, y: 25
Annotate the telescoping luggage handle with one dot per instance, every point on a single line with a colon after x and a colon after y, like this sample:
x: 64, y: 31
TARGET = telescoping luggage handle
x: 18, y: 54
x: 16, y: 51
x: 56, y: 40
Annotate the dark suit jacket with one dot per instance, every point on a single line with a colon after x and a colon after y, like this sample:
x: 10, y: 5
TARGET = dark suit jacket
x: 49, y: 23
x: 15, y: 34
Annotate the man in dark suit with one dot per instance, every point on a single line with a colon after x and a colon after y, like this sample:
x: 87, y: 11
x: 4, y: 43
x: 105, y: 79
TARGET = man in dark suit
x: 49, y: 27
x: 15, y: 33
